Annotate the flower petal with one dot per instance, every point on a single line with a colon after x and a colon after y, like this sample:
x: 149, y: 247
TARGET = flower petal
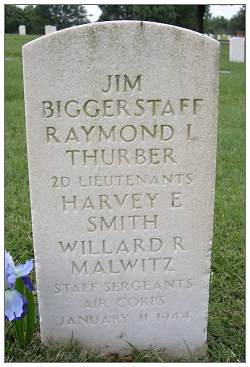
x: 25, y: 308
x: 8, y: 260
x: 15, y: 305
x: 9, y: 273
x: 10, y: 280
x: 24, y: 269
x: 28, y: 283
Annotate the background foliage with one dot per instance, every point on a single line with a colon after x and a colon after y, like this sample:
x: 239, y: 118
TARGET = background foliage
x: 35, y: 17
x: 195, y: 17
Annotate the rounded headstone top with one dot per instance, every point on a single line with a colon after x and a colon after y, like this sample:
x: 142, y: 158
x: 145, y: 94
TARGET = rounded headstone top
x: 141, y: 26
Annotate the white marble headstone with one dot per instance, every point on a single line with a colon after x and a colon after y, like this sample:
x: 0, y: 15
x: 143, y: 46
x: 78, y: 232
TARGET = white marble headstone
x: 121, y: 128
x: 50, y: 29
x: 237, y: 49
x: 22, y: 30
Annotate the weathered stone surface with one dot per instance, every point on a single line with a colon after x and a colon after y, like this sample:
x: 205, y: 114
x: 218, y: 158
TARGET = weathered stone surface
x: 237, y: 49
x: 50, y: 29
x: 121, y: 129
x: 22, y: 30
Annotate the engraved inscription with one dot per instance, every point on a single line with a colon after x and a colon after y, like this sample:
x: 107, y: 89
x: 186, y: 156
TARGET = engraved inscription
x: 82, y: 147
x: 123, y: 286
x: 120, y: 318
x: 121, y: 107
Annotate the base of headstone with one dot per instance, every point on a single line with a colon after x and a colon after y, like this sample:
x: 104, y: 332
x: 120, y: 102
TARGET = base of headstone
x: 185, y: 353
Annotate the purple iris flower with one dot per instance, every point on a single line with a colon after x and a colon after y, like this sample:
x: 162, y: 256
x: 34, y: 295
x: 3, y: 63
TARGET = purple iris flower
x: 15, y: 303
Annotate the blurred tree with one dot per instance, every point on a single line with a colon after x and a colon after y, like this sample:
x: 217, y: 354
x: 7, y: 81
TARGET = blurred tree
x: 187, y: 16
x: 115, y: 12
x: 61, y: 16
x: 155, y: 13
x: 200, y: 10
x: 64, y: 16
x: 217, y: 25
x: 29, y: 18
x: 35, y: 17
x: 13, y: 18
x: 237, y: 22
x: 220, y: 25
x: 207, y: 20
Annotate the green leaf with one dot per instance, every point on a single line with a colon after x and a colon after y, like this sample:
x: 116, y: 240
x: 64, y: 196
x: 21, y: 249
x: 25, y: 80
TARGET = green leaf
x: 20, y: 323
x: 30, y: 317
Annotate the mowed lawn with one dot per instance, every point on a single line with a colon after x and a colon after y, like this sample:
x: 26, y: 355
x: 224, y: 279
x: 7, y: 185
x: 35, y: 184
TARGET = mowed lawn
x: 226, y: 322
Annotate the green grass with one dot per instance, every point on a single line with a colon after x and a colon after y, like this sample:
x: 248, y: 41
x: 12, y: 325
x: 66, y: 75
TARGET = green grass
x: 226, y: 330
